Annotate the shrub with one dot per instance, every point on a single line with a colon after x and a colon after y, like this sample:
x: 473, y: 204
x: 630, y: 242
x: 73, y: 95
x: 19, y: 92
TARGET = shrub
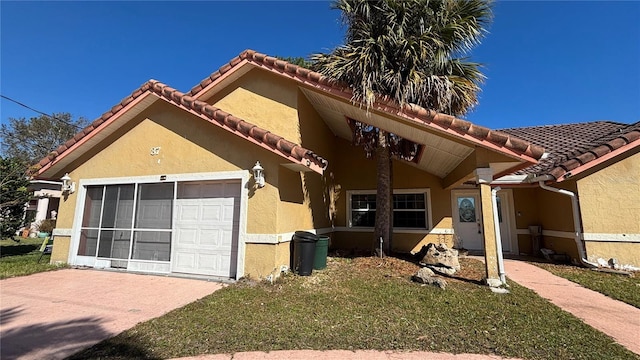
x: 47, y: 226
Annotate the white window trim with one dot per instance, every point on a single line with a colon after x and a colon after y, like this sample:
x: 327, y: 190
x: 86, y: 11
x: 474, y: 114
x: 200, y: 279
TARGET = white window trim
x: 241, y: 175
x: 425, y: 191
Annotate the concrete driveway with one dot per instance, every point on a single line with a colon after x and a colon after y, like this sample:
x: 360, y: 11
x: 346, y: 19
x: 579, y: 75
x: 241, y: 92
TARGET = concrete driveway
x: 55, y: 314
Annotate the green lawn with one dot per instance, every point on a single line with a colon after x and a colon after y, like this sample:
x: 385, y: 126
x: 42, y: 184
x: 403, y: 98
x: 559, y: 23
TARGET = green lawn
x: 619, y: 287
x: 365, y: 303
x: 21, y: 258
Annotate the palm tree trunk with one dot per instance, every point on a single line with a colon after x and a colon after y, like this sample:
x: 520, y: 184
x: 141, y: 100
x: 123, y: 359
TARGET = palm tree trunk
x: 384, y: 195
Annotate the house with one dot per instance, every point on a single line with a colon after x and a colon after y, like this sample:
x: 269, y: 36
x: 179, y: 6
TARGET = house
x: 163, y: 182
x: 595, y: 219
x: 43, y: 205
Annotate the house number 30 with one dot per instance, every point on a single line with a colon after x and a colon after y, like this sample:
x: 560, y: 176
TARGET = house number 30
x: 155, y: 151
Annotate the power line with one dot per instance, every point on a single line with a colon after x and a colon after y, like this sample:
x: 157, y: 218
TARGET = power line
x: 40, y: 112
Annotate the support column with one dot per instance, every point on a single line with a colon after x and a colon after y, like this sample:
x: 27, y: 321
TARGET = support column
x: 41, y: 211
x: 484, y: 176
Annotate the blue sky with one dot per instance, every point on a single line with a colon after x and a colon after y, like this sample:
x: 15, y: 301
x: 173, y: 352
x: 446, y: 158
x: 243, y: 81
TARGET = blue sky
x: 546, y: 62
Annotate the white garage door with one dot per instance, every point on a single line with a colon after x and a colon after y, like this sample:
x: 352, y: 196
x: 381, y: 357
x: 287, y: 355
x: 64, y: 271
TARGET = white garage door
x: 206, y: 228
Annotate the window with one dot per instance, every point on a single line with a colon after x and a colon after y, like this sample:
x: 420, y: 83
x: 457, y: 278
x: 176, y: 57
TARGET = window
x: 116, y: 215
x: 363, y: 210
x: 410, y: 209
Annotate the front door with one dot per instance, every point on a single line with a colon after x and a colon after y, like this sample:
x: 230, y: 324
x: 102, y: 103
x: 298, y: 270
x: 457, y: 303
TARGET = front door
x: 467, y: 219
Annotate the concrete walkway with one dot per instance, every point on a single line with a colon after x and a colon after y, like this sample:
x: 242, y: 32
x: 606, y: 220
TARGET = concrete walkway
x: 615, y: 318
x: 52, y: 315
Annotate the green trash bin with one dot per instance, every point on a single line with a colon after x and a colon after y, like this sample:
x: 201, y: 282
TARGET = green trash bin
x: 322, y: 247
x: 304, y: 247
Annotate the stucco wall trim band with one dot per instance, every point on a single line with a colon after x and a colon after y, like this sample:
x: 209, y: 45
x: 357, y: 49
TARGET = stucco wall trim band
x: 611, y: 237
x: 552, y: 233
x: 436, y: 231
x: 282, y: 237
x: 62, y: 232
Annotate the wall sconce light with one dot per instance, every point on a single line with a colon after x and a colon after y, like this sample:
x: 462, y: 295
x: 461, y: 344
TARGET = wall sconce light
x: 68, y: 186
x: 258, y: 174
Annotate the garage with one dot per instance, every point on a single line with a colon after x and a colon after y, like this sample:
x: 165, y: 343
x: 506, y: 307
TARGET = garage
x: 206, y: 228
x: 184, y: 227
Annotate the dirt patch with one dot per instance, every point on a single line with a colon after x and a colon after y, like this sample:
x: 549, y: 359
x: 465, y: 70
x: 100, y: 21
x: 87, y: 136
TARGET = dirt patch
x: 388, y: 265
x: 471, y: 270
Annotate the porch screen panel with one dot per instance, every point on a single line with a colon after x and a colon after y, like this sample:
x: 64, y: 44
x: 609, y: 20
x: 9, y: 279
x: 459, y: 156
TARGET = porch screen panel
x: 152, y: 245
x: 118, y: 206
x: 90, y: 221
x: 117, y: 219
x: 92, y: 206
x: 88, y: 242
x: 155, y: 205
x: 114, y: 244
x: 152, y: 232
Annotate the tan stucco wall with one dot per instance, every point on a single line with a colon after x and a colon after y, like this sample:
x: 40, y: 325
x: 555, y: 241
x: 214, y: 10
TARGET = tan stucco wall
x: 188, y: 145
x: 627, y: 253
x: 552, y: 211
x: 561, y: 245
x: 262, y: 260
x: 610, y: 204
x: 525, y: 207
x: 610, y: 198
x: 279, y: 106
x: 402, y: 242
x: 352, y: 171
x: 304, y: 197
x: 273, y: 102
x: 527, y: 214
x: 60, y: 251
x: 555, y: 212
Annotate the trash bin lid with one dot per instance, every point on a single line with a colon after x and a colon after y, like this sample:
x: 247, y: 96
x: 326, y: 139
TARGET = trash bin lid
x: 305, y: 236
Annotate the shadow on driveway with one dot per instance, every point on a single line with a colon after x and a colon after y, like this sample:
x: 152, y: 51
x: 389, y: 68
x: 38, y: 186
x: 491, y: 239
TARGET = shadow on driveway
x: 55, y: 314
x: 64, y: 336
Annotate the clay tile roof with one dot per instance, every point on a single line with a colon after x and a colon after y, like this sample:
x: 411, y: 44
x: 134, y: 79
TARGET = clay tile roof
x: 441, y: 121
x: 573, y: 145
x: 227, y: 121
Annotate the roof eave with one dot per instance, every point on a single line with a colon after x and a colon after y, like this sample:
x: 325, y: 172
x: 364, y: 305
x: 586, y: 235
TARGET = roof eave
x: 477, y: 135
x: 64, y: 151
x: 562, y: 173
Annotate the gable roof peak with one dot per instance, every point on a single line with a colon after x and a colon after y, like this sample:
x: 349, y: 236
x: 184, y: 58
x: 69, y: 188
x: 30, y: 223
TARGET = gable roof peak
x: 262, y: 137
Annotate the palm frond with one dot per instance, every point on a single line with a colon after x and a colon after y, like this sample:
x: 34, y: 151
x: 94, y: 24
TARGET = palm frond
x: 407, y: 50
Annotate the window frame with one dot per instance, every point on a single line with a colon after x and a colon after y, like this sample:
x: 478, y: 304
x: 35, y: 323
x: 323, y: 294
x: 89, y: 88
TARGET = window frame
x: 428, y: 215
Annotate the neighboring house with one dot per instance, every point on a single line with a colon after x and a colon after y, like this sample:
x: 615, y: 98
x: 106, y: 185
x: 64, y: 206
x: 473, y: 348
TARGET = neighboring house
x: 164, y: 184
x: 44, y: 205
x: 599, y: 163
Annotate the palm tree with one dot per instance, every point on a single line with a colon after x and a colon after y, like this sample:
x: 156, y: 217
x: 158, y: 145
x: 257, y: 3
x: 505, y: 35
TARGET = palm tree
x: 411, y: 51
